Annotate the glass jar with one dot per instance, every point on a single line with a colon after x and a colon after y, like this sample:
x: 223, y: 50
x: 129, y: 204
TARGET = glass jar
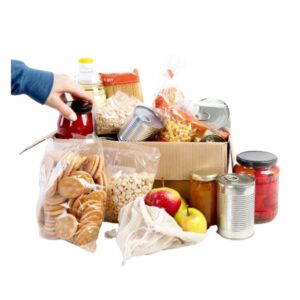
x: 262, y: 166
x: 81, y: 128
x: 203, y: 194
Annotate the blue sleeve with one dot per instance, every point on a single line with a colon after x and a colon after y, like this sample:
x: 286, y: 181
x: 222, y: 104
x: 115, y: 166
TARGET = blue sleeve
x: 34, y: 83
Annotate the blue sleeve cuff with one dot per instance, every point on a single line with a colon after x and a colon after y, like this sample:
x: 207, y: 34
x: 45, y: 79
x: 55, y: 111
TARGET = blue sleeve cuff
x: 34, y: 83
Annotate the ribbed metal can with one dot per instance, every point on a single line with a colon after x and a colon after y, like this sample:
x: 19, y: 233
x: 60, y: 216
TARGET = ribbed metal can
x: 143, y: 124
x: 235, y: 206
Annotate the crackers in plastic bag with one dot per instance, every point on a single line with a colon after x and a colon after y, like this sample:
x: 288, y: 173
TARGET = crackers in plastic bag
x: 72, y: 191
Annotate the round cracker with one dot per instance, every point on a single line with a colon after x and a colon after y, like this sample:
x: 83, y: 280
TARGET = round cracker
x: 54, y: 213
x: 56, y: 199
x: 71, y: 166
x: 91, y: 204
x: 66, y: 227
x: 78, y: 202
x: 86, y: 235
x: 99, y: 213
x: 89, y: 163
x: 98, y: 195
x: 70, y: 187
x: 41, y: 216
x: 90, y: 222
x: 95, y: 166
x: 52, y: 189
x: 100, y: 167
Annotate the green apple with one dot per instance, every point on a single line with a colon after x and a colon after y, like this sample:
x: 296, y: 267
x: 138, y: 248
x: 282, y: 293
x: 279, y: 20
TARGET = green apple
x: 181, y: 211
x: 191, y: 219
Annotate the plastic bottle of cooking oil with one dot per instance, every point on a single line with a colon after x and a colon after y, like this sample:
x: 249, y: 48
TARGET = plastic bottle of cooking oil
x: 90, y: 81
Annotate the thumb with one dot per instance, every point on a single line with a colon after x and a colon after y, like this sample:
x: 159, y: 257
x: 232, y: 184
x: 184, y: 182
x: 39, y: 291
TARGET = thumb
x: 63, y: 108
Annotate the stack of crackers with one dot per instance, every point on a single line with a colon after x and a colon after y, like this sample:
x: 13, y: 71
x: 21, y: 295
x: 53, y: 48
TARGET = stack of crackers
x: 73, y: 208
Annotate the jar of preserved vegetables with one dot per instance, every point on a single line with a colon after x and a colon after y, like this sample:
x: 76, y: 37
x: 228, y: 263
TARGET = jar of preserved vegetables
x: 262, y: 166
x: 203, y: 194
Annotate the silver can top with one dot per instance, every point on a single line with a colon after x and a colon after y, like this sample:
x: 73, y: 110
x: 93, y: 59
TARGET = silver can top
x: 214, y: 112
x: 236, y: 180
x: 149, y: 117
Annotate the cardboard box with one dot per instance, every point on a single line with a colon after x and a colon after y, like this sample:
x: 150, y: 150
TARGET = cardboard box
x: 178, y: 160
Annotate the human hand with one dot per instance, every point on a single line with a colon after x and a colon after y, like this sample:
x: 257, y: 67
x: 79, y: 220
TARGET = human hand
x: 64, y: 84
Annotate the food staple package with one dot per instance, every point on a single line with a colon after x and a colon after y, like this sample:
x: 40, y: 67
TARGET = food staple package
x: 128, y: 83
x: 73, y: 194
x: 147, y: 229
x: 131, y: 171
x: 112, y: 117
x: 179, y: 124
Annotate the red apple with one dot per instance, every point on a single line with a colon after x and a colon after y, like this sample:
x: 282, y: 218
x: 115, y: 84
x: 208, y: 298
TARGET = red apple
x: 164, y: 197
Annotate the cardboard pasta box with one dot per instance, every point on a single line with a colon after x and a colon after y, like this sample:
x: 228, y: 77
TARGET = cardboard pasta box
x: 179, y: 159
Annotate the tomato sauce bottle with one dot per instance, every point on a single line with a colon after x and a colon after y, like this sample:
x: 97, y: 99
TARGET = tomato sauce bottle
x: 262, y: 166
x: 83, y: 127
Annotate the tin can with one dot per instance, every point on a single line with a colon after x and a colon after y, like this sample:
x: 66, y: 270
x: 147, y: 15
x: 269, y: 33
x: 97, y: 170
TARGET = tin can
x: 213, y: 112
x: 235, y: 206
x: 210, y: 137
x: 143, y: 124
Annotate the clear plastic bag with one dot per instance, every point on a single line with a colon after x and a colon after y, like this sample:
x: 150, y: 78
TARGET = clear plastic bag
x: 147, y: 229
x: 111, y: 118
x: 73, y: 194
x: 131, y: 170
x: 177, y: 113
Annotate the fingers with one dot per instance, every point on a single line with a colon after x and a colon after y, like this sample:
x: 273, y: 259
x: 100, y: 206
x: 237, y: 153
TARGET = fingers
x: 76, y: 90
x: 57, y: 103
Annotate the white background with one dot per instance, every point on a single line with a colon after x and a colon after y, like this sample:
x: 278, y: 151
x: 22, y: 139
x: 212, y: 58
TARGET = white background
x: 244, y: 52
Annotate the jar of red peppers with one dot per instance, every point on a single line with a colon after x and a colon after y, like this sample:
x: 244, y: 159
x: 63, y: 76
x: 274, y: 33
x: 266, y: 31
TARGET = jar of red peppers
x: 262, y: 166
x: 81, y: 128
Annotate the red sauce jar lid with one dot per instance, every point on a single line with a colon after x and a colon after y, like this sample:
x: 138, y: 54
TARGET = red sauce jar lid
x: 256, y: 159
x: 80, y: 106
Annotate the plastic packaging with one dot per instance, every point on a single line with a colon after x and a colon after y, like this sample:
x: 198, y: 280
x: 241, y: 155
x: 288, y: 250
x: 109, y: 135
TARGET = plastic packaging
x: 262, y: 166
x: 111, y: 118
x: 180, y: 126
x: 73, y: 194
x: 147, y: 229
x: 128, y: 83
x: 131, y: 172
x: 178, y: 114
x: 90, y: 81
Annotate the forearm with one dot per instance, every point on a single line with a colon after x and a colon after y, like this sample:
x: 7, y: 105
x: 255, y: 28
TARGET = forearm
x: 34, y: 83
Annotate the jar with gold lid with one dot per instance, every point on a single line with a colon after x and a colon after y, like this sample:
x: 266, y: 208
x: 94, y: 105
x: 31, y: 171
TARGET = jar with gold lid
x: 203, y: 194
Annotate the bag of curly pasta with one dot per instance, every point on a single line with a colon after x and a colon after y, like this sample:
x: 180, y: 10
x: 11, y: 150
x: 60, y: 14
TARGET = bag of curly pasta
x: 72, y: 191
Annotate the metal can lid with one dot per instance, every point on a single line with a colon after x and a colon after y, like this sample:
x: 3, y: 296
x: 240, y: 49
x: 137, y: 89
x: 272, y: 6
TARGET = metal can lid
x: 214, y: 112
x: 234, y: 180
x: 204, y: 175
x: 148, y: 116
x: 212, y: 138
x: 257, y: 159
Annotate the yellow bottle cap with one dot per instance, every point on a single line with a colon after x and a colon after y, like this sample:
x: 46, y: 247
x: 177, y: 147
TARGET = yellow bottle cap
x: 85, y: 60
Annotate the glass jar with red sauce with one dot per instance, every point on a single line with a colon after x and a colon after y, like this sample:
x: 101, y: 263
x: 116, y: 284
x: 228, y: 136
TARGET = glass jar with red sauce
x: 83, y: 127
x: 262, y: 166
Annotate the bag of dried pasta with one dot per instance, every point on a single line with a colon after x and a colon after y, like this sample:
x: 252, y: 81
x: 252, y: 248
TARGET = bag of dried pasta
x: 179, y: 125
x: 73, y: 194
